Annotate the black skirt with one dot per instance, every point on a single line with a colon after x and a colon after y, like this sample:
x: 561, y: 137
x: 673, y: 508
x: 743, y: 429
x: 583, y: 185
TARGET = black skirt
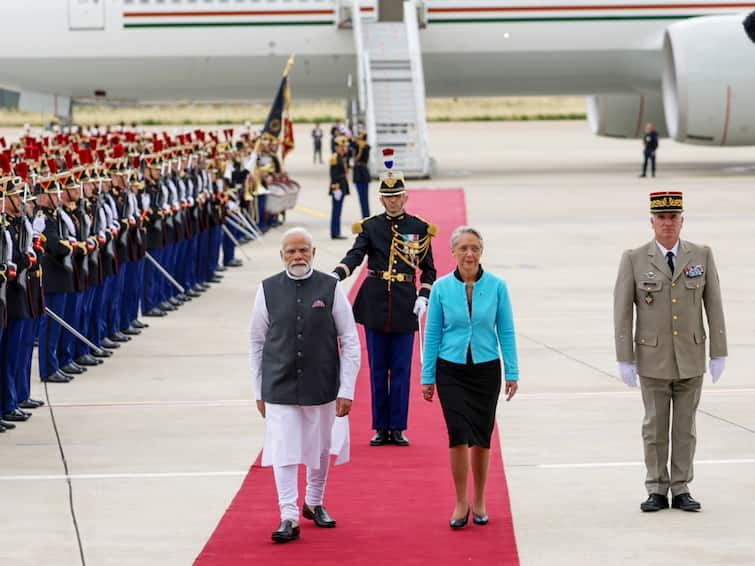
x: 468, y: 394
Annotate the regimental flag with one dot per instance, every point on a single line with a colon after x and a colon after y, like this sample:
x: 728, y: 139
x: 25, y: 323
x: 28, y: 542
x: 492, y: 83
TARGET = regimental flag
x: 288, y: 137
x: 274, y: 123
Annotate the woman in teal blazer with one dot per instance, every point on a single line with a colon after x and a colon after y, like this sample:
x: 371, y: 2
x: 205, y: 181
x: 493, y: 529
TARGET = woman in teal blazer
x: 469, y: 320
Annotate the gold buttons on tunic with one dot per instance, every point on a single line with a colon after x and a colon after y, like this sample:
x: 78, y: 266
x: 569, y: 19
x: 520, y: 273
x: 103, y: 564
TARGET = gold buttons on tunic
x: 676, y: 333
x: 673, y: 301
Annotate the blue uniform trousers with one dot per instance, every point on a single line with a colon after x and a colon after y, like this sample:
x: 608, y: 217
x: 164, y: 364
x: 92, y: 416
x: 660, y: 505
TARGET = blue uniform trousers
x: 72, y: 315
x: 84, y: 326
x: 95, y: 327
x: 335, y: 216
x: 169, y: 263
x: 49, y: 335
x: 17, y: 349
x: 116, y: 297
x: 261, y: 212
x: 390, y: 356
x: 203, y: 253
x: 364, y: 198
x: 103, y: 320
x: 229, y: 248
x: 152, y: 282
x: 216, y: 238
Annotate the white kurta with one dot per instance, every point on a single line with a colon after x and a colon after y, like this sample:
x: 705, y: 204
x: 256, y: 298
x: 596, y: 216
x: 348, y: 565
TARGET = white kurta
x: 297, y: 434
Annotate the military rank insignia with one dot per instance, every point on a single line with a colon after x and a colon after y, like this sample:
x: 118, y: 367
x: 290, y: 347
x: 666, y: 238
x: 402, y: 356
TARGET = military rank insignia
x: 694, y: 271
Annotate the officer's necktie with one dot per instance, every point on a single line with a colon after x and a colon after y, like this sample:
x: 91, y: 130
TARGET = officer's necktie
x: 670, y: 261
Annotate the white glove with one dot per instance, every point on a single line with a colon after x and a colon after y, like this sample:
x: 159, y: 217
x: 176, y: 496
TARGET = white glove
x: 38, y: 225
x: 338, y: 194
x: 628, y: 372
x: 717, y: 366
x: 420, y: 306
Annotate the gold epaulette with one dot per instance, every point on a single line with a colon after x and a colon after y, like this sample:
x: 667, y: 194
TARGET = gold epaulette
x: 334, y: 159
x: 357, y: 227
x: 432, y: 229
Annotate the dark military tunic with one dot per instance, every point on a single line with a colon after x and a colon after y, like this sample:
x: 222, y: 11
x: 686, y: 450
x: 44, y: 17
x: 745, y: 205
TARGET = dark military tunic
x: 339, y: 170
x: 396, y: 248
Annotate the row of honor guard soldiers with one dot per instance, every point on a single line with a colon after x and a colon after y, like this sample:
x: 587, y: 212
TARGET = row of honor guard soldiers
x: 93, y: 231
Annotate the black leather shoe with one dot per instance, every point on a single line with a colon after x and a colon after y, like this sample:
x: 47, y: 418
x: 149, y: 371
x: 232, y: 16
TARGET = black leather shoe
x: 166, y: 306
x: 193, y: 294
x: 119, y: 337
x: 57, y: 377
x: 215, y: 279
x: 176, y: 302
x: 109, y: 344
x: 139, y: 324
x: 199, y: 288
x: 286, y: 532
x: 221, y: 268
x: 156, y: 312
x: 183, y: 297
x: 87, y: 360
x: 7, y: 426
x: 99, y: 354
x: 684, y: 502
x: 460, y: 523
x: 399, y: 439
x: 131, y: 331
x: 654, y: 502
x: 2, y: 428
x: 73, y: 369
x: 31, y: 404
x: 480, y: 519
x: 381, y: 437
x: 235, y: 262
x: 319, y: 515
x: 16, y: 416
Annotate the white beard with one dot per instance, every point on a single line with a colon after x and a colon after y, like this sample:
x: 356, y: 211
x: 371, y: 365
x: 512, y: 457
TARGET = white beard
x: 298, y: 270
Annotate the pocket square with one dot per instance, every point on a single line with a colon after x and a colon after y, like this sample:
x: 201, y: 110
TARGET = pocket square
x: 318, y: 304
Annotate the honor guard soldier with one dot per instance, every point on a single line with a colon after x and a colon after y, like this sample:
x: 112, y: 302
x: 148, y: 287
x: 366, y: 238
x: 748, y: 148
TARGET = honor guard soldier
x: 362, y: 172
x: 339, y: 184
x: 396, y: 244
x: 666, y: 282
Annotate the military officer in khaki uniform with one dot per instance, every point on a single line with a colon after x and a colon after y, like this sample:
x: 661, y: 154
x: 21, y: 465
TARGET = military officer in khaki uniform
x: 667, y: 282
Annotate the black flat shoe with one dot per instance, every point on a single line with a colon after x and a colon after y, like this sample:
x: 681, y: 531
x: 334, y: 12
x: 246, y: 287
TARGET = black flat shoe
x: 139, y: 324
x: 101, y: 354
x: 7, y: 426
x: 87, y: 360
x: 30, y: 404
x: 166, y: 306
x: 381, y: 437
x: 286, y: 532
x: 16, y: 416
x: 399, y: 439
x: 221, y: 268
x: 57, y: 377
x: 155, y: 312
x: 109, y: 344
x: 480, y: 519
x: 131, y: 331
x: 684, y: 502
x: 235, y: 262
x: 654, y: 502
x: 193, y: 294
x: 119, y: 337
x: 460, y: 523
x: 175, y: 301
x: 73, y: 369
x: 319, y: 515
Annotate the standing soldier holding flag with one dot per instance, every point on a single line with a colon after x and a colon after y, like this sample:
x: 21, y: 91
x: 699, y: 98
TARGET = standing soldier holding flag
x: 397, y: 244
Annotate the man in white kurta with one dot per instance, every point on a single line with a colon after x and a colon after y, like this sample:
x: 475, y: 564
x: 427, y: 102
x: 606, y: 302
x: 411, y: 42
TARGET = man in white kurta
x: 300, y: 318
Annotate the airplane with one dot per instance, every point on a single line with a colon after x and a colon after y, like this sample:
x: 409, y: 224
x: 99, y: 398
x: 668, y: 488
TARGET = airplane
x: 684, y: 65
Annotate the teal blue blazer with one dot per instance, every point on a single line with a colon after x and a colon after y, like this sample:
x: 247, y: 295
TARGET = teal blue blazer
x: 450, y: 332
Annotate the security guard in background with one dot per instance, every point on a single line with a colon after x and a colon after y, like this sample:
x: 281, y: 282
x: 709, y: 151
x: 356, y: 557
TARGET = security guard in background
x: 397, y: 244
x: 339, y: 184
x: 667, y: 281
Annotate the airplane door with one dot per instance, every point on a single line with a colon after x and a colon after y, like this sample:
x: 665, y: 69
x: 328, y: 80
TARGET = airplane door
x: 86, y: 14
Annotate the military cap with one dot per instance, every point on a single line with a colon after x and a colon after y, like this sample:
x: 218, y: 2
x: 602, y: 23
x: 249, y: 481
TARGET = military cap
x: 391, y: 182
x: 666, y: 201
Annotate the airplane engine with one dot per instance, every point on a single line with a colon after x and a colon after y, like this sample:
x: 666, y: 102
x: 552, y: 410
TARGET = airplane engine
x: 625, y: 115
x: 708, y: 81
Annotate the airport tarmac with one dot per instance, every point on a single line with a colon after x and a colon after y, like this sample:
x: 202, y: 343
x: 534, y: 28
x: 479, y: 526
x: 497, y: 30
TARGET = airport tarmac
x: 151, y: 447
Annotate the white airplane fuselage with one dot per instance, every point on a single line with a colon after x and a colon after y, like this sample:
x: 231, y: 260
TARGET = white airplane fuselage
x: 145, y: 50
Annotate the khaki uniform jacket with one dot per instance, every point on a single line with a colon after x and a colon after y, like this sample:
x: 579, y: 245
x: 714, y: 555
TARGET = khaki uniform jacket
x: 669, y: 337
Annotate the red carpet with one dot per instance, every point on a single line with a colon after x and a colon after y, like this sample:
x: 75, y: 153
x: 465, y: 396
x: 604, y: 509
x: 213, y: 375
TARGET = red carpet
x: 392, y: 504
